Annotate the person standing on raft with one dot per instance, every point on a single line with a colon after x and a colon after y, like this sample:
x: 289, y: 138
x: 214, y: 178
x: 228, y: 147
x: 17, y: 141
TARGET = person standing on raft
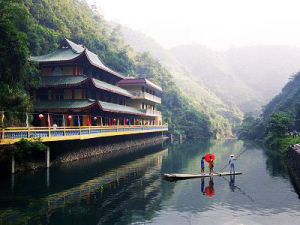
x: 231, y: 163
x: 211, y: 165
x: 202, y: 165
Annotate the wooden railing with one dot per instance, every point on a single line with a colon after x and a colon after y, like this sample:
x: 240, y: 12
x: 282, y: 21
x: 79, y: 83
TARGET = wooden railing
x: 151, y: 112
x: 11, y: 135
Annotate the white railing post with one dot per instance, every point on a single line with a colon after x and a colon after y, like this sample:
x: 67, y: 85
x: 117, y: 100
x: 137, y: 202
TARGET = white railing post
x: 3, y: 134
x: 13, y: 164
x: 48, y: 157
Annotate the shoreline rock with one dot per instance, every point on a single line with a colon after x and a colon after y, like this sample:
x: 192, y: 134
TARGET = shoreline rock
x: 293, y: 163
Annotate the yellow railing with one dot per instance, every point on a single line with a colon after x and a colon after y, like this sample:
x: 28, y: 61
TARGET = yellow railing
x: 11, y: 135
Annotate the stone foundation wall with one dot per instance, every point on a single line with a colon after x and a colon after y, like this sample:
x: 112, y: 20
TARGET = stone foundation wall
x: 68, y: 151
x: 106, y: 149
x: 293, y: 161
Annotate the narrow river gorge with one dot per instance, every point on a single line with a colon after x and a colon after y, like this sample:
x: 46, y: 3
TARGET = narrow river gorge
x: 129, y: 189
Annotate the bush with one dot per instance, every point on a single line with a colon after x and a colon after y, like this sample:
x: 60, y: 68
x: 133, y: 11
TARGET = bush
x: 278, y: 124
x: 24, y: 148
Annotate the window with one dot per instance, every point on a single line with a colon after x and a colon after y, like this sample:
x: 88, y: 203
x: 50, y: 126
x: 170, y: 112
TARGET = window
x: 42, y: 95
x: 58, y: 95
x: 57, y: 71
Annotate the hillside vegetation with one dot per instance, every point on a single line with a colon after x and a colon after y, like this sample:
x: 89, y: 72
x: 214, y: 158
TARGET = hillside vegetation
x: 224, y: 83
x: 34, y: 27
x: 248, y: 77
x: 279, y: 119
x: 220, y: 113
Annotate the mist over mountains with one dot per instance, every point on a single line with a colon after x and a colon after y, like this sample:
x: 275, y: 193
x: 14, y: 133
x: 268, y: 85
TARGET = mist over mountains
x: 240, y: 79
x: 195, y: 88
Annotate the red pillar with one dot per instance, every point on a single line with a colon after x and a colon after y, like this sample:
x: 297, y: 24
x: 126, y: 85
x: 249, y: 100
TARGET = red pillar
x: 88, y: 121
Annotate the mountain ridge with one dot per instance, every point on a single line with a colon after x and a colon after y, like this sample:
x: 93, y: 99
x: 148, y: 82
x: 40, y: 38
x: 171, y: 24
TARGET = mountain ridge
x: 203, y: 97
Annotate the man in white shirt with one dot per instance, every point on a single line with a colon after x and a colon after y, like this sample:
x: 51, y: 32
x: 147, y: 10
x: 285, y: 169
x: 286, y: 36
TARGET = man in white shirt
x: 231, y: 163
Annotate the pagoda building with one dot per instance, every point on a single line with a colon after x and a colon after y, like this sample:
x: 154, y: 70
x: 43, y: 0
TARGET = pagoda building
x: 77, y: 89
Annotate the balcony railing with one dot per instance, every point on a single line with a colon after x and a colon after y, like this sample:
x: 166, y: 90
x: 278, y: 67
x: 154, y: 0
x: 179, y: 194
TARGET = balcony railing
x: 151, y: 112
x: 145, y: 95
x: 12, y: 134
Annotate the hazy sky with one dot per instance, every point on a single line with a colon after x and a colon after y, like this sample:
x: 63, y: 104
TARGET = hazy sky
x: 218, y: 24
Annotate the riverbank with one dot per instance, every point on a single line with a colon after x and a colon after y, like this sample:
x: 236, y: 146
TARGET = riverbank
x: 282, y: 143
x: 69, y: 151
x: 293, y: 162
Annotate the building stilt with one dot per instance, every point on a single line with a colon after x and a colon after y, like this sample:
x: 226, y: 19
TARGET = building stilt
x: 48, y: 177
x: 13, y: 164
x: 180, y: 138
x: 171, y: 138
x: 48, y: 157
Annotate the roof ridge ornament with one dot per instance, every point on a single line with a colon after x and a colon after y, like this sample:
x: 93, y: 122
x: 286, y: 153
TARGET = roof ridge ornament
x: 73, y: 46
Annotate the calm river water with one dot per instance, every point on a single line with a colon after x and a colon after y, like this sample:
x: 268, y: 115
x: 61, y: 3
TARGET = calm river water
x: 129, y: 189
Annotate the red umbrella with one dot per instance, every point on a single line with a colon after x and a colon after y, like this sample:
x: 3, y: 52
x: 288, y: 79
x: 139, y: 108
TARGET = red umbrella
x: 207, y: 157
x: 209, y: 191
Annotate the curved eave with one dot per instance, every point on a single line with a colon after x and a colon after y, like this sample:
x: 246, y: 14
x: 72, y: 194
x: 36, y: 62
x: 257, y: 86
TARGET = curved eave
x: 109, y: 90
x: 149, y: 83
x: 118, y: 111
x: 77, y: 57
x: 66, y: 109
x: 101, y: 67
x: 93, y: 103
x: 57, y: 61
x: 88, y: 79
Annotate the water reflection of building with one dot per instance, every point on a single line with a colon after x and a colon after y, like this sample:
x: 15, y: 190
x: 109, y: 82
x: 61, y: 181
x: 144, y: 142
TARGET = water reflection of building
x: 135, y: 186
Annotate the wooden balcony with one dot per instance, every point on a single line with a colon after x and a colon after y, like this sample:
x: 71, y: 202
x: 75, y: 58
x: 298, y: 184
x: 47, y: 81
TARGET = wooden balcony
x: 150, y: 112
x: 11, y: 135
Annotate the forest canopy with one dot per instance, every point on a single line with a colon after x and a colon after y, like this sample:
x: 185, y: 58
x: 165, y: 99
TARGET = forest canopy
x: 35, y: 27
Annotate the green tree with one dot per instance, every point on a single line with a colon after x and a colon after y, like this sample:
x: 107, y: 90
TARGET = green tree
x: 278, y: 124
x: 251, y: 128
x: 16, y: 74
x: 34, y: 27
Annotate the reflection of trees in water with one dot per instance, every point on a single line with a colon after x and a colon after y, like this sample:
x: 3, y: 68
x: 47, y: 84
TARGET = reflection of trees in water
x: 138, y: 193
x: 120, y: 195
x: 276, y: 163
x: 179, y: 155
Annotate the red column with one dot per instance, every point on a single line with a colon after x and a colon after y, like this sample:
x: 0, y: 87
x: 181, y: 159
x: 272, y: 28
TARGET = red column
x: 68, y: 121
x: 49, y: 122
x: 88, y: 121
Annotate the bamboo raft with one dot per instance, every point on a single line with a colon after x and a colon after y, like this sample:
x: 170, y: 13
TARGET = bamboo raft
x: 181, y: 176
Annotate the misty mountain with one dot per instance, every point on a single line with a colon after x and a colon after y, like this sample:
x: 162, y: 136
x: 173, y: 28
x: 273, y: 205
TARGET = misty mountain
x: 194, y: 87
x: 265, y: 69
x: 211, y: 69
x: 247, y: 76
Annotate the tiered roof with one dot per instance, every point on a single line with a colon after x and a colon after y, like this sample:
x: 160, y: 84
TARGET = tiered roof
x: 134, y: 81
x: 73, y: 81
x: 83, y: 104
x: 69, y: 51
